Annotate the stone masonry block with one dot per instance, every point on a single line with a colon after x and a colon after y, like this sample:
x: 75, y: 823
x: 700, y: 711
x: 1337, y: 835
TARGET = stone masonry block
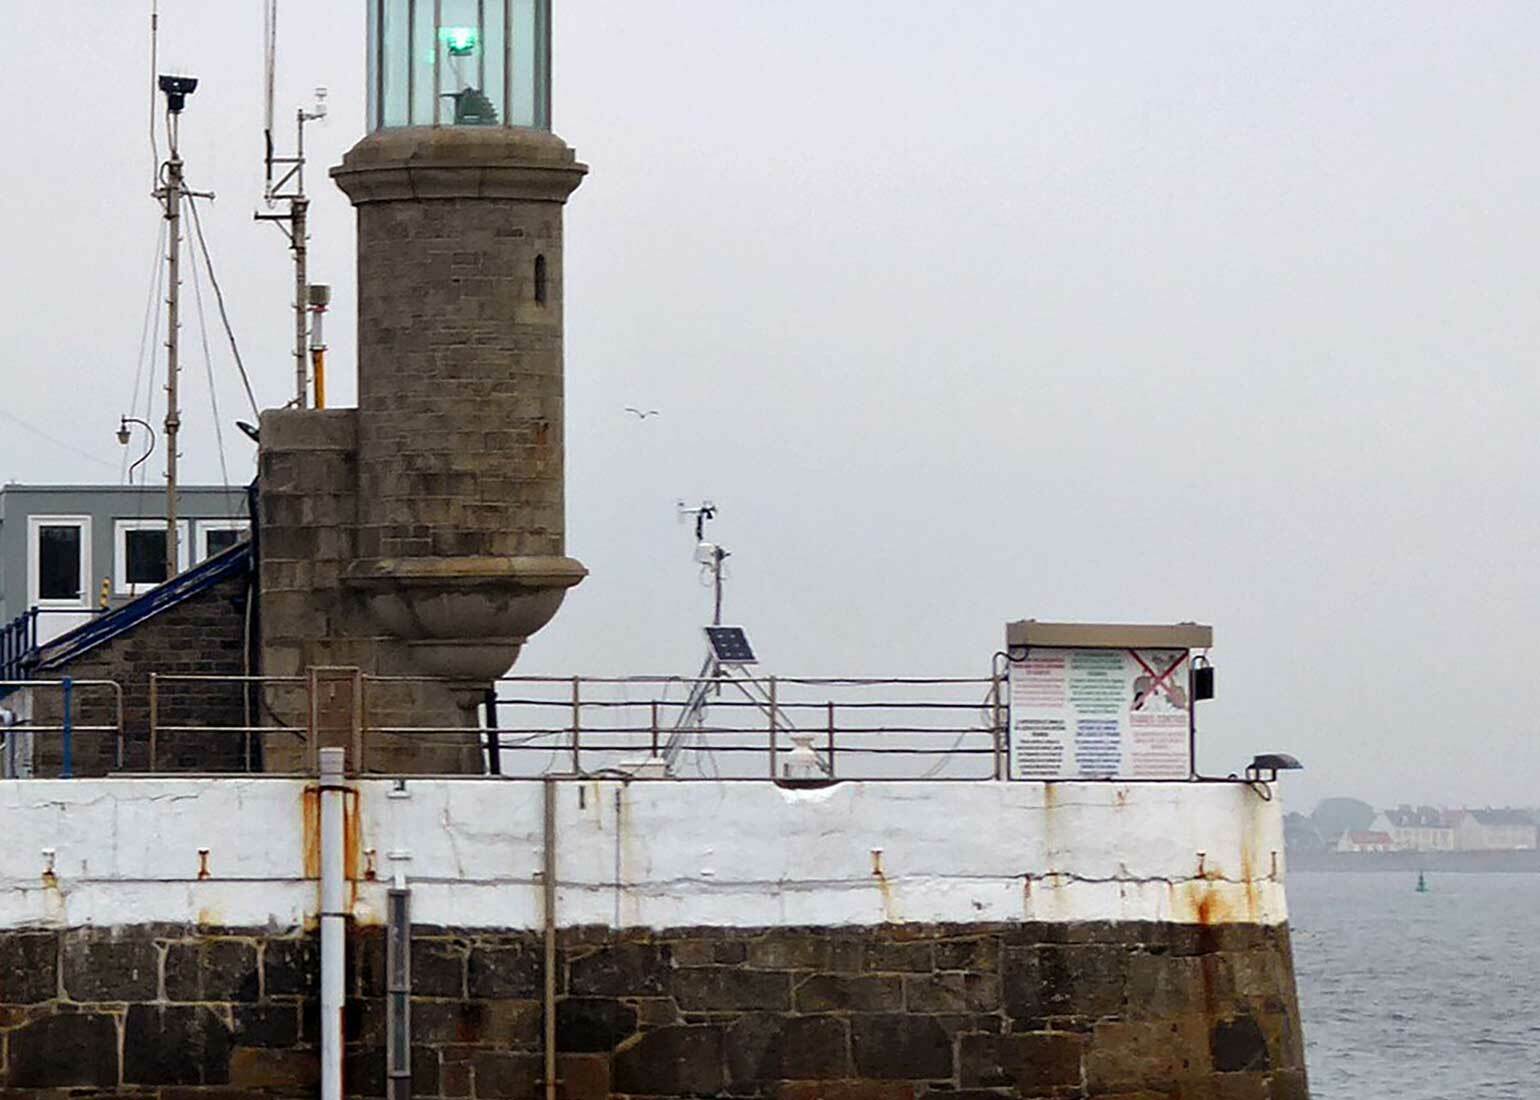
x: 592, y: 1025
x: 897, y: 1047
x: 102, y: 966
x: 175, y: 1045
x: 29, y: 967
x: 212, y: 970
x: 731, y: 989
x: 672, y: 1061
x: 64, y: 1051
x: 505, y: 970
x: 623, y: 970
x: 763, y: 1048
x: 1029, y: 1063
x: 953, y: 992
x: 850, y: 993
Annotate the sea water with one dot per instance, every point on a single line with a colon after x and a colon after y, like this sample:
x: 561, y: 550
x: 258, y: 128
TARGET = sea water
x: 1409, y: 996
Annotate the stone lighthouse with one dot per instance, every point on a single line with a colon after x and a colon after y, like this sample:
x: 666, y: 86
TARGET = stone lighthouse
x: 428, y: 541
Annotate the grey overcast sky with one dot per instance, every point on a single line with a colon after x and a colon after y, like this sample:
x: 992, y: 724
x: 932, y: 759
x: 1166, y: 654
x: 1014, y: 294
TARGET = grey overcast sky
x: 961, y: 312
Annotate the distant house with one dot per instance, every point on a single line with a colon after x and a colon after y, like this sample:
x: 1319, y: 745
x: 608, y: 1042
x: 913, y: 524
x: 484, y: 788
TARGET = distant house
x: 1372, y: 841
x: 1423, y: 829
x: 68, y: 552
x: 1494, y: 830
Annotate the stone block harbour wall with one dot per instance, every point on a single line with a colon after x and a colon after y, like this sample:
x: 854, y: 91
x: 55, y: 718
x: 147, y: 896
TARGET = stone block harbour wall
x: 863, y: 942
x: 954, y: 1012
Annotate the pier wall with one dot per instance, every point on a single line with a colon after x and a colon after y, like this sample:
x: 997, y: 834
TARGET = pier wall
x: 866, y: 941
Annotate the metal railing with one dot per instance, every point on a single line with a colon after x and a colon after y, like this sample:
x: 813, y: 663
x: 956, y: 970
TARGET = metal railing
x: 645, y: 726
x: 43, y: 717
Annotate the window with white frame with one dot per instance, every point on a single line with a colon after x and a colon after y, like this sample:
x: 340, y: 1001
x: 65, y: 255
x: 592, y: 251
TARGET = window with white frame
x: 215, y: 536
x: 59, y: 561
x: 140, y: 554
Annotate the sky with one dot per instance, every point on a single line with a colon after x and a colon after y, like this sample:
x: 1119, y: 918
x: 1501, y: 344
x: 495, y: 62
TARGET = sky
x: 960, y: 314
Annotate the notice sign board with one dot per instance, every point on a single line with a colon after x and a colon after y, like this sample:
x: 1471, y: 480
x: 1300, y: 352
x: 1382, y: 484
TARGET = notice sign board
x: 1100, y: 714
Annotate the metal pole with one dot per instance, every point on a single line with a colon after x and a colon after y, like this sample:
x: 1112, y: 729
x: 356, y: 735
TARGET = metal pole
x: 398, y: 988
x: 299, y: 217
x: 549, y: 876
x: 716, y: 616
x: 831, y: 738
x: 577, y: 722
x: 67, y: 765
x: 172, y: 194
x: 772, y: 728
x: 154, y: 714
x: 333, y: 917
x: 494, y: 740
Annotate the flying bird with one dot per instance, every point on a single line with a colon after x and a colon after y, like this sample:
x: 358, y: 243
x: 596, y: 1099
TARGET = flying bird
x: 639, y: 414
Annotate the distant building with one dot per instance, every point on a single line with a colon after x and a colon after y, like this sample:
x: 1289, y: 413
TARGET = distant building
x: 1423, y: 829
x: 1372, y: 841
x: 1494, y: 830
x: 70, y: 551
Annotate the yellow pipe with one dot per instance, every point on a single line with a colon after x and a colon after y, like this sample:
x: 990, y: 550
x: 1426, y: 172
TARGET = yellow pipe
x: 318, y: 361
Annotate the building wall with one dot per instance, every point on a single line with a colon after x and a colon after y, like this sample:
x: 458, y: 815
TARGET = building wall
x: 308, y: 500
x: 460, y: 391
x: 867, y: 941
x: 876, y: 1013
x: 202, y: 636
x: 104, y: 504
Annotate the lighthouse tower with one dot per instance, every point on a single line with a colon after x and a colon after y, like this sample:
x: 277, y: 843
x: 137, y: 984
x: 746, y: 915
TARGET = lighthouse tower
x: 420, y: 539
x: 459, y: 188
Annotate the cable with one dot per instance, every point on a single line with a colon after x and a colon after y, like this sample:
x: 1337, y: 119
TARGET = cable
x: 219, y: 297
x: 151, y: 306
x: 154, y: 64
x: 208, y: 368
x: 22, y: 424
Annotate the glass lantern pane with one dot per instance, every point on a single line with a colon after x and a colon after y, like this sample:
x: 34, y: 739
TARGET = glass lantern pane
x: 424, y: 52
x: 459, y: 62
x: 465, y: 97
x: 372, y: 68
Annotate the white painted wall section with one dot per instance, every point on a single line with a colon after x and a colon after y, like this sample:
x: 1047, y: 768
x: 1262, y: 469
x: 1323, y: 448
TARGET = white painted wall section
x: 649, y: 853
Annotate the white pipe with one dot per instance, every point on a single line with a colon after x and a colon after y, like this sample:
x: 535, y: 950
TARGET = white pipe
x: 333, y: 921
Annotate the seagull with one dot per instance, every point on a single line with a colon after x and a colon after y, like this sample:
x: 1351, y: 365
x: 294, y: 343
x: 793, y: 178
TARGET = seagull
x: 639, y: 414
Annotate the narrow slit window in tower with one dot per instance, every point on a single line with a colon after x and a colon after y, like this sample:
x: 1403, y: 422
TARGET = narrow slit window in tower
x: 541, y: 288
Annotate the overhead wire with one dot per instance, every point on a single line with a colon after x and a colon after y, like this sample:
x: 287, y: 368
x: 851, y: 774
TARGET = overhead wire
x: 219, y: 297
x: 151, y: 311
x: 208, y: 369
x: 57, y: 442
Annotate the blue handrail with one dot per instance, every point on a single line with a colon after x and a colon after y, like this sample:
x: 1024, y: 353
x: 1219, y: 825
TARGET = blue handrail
x: 236, y: 560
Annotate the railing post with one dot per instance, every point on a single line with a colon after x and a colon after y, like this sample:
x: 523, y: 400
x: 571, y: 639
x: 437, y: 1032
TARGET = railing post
x: 117, y: 695
x: 654, y: 727
x: 831, y: 738
x: 998, y: 732
x: 494, y: 739
x: 154, y: 716
x: 772, y: 728
x: 358, y: 721
x: 577, y: 723
x: 67, y: 765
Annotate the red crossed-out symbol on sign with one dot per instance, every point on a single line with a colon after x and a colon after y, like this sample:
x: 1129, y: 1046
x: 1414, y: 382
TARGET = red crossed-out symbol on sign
x: 1158, y: 680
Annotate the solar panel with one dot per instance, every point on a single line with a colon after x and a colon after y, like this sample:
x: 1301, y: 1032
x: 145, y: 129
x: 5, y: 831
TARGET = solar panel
x: 730, y: 645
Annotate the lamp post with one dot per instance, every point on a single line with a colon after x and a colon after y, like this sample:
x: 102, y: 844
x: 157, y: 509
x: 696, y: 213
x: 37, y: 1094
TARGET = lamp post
x: 123, y: 437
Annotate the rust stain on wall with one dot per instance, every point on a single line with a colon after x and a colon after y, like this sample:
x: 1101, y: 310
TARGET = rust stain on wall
x: 352, y: 835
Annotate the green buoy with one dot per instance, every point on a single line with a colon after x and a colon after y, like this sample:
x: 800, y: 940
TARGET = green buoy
x: 1422, y: 883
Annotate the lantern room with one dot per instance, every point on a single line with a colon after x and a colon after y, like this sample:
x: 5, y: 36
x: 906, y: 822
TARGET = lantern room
x: 459, y: 63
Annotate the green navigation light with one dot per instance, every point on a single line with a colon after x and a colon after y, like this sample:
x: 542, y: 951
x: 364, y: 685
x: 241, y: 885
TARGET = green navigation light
x: 459, y: 41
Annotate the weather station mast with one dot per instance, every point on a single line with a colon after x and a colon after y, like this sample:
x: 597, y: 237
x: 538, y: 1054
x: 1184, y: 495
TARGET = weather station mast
x: 170, y: 193
x: 286, y: 184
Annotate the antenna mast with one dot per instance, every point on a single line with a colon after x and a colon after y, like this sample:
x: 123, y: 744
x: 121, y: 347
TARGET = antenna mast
x: 171, y: 191
x: 290, y: 187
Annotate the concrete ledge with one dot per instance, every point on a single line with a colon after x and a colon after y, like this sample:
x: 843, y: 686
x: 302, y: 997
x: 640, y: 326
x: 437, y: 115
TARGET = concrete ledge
x: 412, y: 163
x: 652, y: 854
